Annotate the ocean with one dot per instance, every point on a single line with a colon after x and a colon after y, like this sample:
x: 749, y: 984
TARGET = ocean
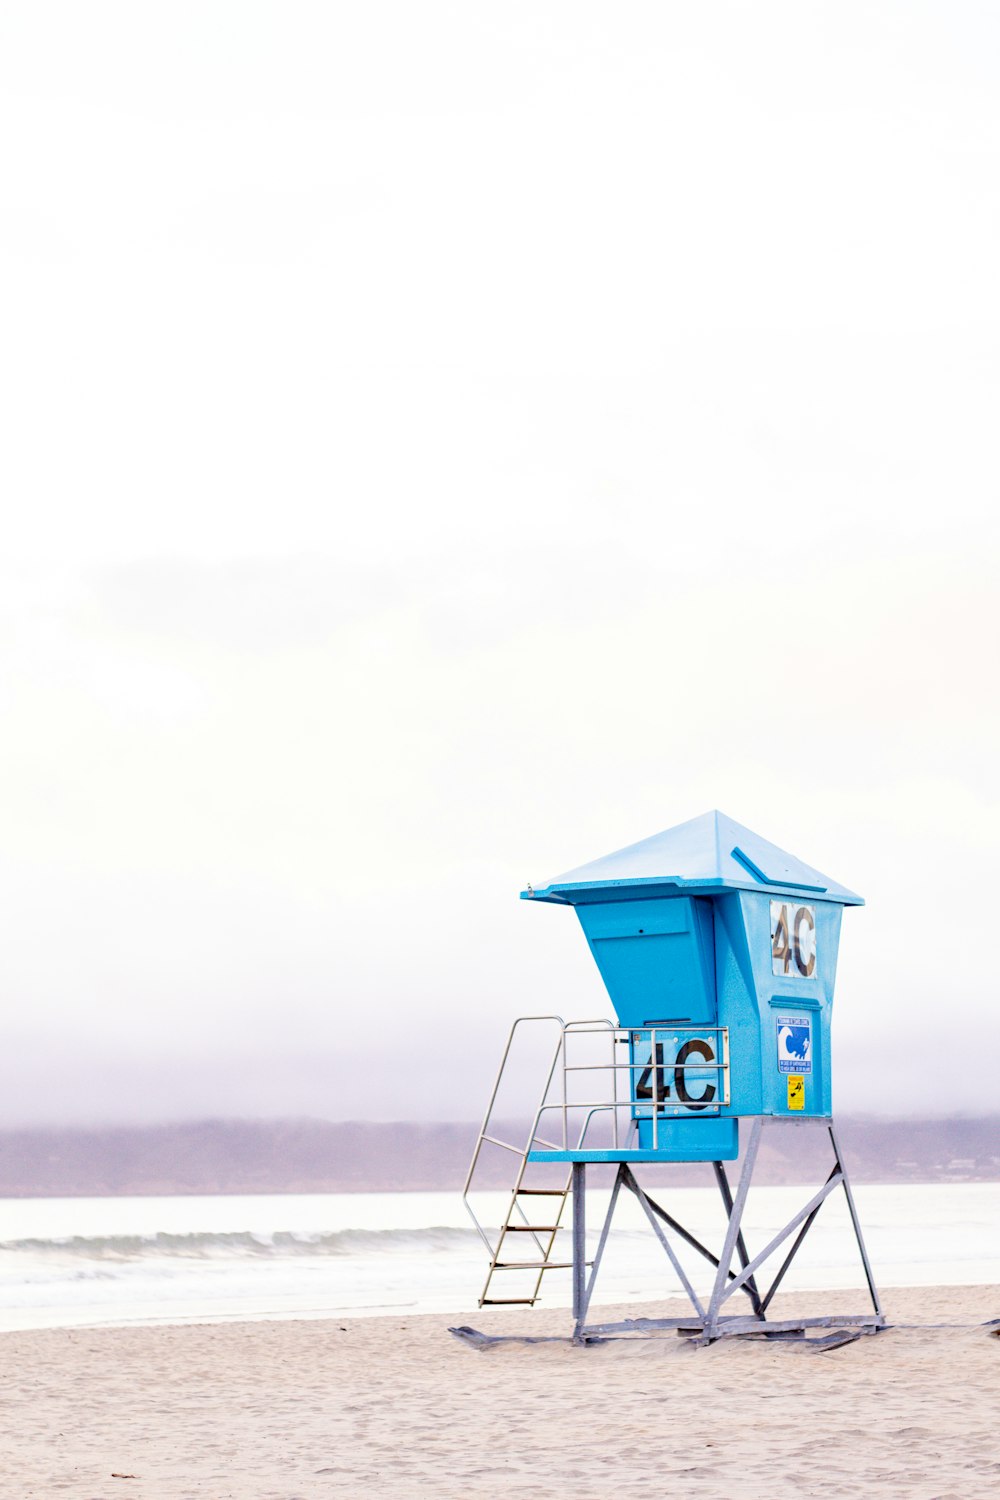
x: 85, y: 1262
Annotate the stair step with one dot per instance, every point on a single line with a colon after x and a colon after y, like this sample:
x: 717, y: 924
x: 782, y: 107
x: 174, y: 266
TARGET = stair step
x: 531, y: 1228
x: 533, y: 1265
x: 506, y: 1302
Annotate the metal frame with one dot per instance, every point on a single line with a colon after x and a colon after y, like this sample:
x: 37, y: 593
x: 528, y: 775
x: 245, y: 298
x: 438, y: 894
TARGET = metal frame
x: 611, y: 1101
x: 709, y: 1324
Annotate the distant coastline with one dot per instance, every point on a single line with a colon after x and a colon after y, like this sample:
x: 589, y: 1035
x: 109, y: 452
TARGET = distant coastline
x: 316, y: 1156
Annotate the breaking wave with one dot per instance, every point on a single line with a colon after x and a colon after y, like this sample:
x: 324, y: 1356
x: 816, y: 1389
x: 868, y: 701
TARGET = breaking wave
x: 243, y: 1244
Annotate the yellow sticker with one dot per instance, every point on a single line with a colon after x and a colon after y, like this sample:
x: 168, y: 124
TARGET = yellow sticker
x: 796, y: 1091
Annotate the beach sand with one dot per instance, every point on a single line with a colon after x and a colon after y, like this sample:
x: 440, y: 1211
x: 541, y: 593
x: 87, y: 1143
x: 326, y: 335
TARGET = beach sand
x: 373, y: 1407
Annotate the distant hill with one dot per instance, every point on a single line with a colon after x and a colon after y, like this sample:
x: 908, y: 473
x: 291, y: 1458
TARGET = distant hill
x: 316, y: 1156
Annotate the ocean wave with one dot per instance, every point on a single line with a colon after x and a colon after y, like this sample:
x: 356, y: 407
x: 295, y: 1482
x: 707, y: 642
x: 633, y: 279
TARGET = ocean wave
x: 243, y: 1244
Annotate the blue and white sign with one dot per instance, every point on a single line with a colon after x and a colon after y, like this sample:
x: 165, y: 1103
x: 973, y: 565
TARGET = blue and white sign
x: 794, y: 1044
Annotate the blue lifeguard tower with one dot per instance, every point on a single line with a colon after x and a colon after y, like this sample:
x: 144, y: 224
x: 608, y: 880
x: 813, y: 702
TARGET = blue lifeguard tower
x: 719, y: 953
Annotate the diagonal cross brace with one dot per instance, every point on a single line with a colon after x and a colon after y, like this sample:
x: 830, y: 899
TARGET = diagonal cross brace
x: 647, y: 1207
x: 795, y: 1246
x: 809, y: 1212
x: 683, y: 1233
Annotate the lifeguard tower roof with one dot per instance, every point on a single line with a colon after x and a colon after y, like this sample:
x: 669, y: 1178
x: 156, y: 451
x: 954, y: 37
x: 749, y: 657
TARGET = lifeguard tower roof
x: 709, y: 853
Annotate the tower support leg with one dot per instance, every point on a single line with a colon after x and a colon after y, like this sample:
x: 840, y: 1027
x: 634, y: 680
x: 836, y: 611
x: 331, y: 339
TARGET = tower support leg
x: 733, y: 1231
x: 741, y: 1249
x: 583, y: 1285
x: 706, y: 1325
x: 727, y: 1283
x: 711, y: 1324
x: 579, y: 1241
x: 876, y: 1302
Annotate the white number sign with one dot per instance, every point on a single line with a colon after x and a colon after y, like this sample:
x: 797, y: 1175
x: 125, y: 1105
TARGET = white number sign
x: 793, y: 940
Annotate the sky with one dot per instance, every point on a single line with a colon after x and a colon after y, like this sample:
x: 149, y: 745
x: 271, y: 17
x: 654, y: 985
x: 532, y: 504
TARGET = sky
x: 442, y: 444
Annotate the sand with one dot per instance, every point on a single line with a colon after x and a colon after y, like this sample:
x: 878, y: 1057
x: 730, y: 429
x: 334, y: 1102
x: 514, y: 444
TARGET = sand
x: 397, y: 1407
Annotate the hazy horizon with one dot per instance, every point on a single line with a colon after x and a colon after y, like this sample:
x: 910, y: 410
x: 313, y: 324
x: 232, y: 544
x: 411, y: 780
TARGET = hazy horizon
x: 372, y: 1156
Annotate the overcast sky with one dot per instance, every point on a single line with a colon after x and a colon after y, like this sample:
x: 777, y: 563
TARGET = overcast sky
x: 443, y: 443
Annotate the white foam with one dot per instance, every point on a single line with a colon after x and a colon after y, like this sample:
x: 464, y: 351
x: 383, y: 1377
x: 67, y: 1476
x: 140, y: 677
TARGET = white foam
x: 73, y: 1262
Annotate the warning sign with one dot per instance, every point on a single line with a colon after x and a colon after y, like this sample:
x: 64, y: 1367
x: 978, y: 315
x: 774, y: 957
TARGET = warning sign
x: 794, y: 1043
x: 796, y: 1091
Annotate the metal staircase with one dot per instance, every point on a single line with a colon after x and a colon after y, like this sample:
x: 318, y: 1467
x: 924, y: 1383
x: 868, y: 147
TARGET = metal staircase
x: 543, y: 1237
x: 547, y: 1202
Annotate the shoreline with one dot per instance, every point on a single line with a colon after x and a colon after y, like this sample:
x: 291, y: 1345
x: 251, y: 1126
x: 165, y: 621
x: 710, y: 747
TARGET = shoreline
x: 395, y: 1405
x: 836, y: 1300
x: 547, y: 1310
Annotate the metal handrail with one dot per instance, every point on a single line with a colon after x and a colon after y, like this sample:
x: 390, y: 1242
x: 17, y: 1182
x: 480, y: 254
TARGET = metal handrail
x: 617, y: 1035
x: 600, y: 1024
x: 657, y: 1104
x: 496, y: 1085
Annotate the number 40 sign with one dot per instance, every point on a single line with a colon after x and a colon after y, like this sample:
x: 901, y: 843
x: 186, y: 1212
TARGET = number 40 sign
x: 793, y: 940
